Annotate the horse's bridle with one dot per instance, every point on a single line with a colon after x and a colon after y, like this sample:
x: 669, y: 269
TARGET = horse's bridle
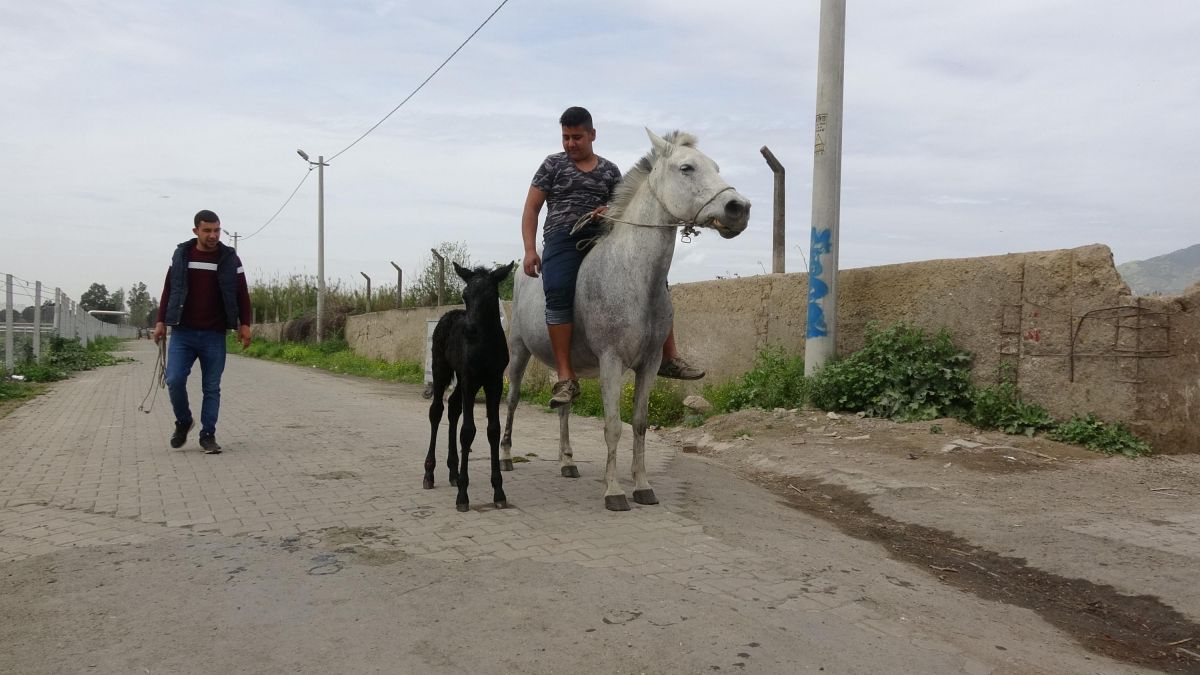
x: 689, y: 226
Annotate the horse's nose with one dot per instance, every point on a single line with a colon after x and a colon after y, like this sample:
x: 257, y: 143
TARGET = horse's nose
x: 736, y: 209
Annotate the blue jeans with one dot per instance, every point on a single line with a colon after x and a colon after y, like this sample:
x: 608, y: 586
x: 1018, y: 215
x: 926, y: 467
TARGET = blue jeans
x: 185, y: 347
x: 561, y: 258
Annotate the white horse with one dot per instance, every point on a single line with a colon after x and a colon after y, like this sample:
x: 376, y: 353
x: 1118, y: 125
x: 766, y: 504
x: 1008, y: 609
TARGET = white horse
x: 622, y: 309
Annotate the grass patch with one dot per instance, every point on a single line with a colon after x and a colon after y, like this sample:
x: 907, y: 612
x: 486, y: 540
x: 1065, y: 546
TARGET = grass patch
x: 664, y: 409
x: 333, y: 355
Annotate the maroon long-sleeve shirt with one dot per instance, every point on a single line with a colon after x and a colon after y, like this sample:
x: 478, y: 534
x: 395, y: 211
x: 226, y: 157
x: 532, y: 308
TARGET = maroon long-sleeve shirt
x: 203, y: 308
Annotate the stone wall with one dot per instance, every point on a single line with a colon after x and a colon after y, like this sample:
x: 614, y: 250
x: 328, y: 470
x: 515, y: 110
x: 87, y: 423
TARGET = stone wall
x: 1065, y: 322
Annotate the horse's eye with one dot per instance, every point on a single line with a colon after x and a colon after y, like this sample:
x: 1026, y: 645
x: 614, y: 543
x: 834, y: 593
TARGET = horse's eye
x: 686, y: 168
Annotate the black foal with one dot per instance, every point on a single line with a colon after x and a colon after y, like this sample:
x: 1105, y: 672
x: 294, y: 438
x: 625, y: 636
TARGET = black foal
x: 469, y: 345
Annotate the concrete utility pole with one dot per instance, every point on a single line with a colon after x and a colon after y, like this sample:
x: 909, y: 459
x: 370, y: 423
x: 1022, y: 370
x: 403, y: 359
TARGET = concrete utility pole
x: 235, y: 236
x: 320, y: 164
x: 37, y: 322
x: 368, y: 289
x: 399, y: 284
x: 821, y: 336
x: 777, y: 246
x: 441, y: 275
x: 8, y: 323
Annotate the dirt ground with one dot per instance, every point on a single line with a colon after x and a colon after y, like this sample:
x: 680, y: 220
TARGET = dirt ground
x: 1105, y: 548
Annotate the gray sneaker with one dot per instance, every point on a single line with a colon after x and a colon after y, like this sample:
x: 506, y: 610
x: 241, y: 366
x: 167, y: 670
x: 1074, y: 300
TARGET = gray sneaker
x: 209, y: 443
x: 564, y: 393
x: 678, y: 369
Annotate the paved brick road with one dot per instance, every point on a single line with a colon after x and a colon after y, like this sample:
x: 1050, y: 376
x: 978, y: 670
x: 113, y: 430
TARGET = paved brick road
x: 312, y: 457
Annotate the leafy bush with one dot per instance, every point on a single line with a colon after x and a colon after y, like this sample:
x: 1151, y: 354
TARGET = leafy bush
x: 41, y: 372
x: 901, y: 373
x: 1000, y: 407
x: 1095, y: 434
x: 68, y: 355
x: 776, y: 381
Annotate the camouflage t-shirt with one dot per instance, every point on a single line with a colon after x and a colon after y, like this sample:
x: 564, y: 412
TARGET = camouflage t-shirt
x: 570, y: 193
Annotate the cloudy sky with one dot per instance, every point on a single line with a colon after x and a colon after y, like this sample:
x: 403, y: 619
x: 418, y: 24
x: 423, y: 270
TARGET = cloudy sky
x: 971, y: 128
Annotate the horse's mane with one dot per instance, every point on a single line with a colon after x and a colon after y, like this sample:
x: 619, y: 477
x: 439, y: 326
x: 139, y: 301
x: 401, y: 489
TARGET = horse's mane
x: 636, y: 176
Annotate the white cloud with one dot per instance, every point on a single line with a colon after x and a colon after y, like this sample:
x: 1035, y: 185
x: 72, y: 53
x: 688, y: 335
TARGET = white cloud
x: 971, y: 129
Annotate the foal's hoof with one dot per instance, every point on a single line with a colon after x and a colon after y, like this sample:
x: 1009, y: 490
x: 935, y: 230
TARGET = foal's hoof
x: 645, y: 496
x: 502, y: 504
x: 462, y: 508
x: 506, y: 465
x: 427, y: 483
x: 570, y: 471
x: 616, y: 503
x: 454, y: 481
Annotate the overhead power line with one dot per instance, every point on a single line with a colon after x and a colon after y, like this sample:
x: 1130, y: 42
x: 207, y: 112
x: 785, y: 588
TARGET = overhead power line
x: 280, y: 209
x: 385, y: 117
x: 426, y: 81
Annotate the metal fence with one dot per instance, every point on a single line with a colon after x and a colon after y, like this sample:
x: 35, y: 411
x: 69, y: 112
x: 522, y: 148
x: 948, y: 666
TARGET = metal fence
x: 34, y: 312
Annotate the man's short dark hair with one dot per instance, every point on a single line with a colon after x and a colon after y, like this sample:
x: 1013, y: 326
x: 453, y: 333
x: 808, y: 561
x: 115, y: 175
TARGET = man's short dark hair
x: 576, y: 116
x: 205, y: 216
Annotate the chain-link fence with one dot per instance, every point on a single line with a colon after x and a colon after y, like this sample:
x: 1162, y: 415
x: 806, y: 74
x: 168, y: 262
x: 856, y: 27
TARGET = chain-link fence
x: 34, y: 312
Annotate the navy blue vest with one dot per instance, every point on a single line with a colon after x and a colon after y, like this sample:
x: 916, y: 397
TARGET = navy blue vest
x: 226, y: 280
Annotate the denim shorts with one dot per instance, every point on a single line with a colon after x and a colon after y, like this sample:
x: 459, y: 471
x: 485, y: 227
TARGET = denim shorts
x: 561, y: 258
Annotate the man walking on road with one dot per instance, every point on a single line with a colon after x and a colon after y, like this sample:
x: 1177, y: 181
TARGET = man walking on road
x: 205, y: 294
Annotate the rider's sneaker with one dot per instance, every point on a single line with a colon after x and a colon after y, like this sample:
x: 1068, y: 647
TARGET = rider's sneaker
x: 564, y: 393
x: 678, y: 369
x: 209, y: 443
x: 181, y: 431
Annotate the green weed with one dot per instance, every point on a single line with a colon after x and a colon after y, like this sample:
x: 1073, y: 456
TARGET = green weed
x: 1095, y: 434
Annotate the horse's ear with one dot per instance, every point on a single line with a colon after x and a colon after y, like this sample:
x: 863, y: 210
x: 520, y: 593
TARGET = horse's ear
x: 463, y: 273
x: 501, y: 273
x: 660, y: 144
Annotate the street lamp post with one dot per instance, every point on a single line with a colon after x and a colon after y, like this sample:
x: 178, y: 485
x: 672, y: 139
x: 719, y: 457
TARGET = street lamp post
x: 320, y: 164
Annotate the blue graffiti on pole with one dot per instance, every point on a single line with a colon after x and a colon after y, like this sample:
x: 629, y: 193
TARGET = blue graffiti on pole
x: 817, y: 288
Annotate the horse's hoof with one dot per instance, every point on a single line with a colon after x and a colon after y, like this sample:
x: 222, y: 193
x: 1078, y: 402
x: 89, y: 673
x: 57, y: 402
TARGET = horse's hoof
x: 570, y: 471
x: 427, y: 483
x: 454, y: 482
x: 616, y: 503
x: 462, y: 508
x: 502, y: 504
x: 645, y: 496
x: 506, y: 465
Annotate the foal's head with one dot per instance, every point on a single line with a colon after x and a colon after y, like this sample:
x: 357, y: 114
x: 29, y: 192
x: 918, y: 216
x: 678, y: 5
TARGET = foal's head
x: 482, y: 293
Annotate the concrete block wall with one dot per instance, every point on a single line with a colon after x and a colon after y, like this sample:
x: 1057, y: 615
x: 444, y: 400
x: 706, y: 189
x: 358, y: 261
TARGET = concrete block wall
x: 1064, y: 321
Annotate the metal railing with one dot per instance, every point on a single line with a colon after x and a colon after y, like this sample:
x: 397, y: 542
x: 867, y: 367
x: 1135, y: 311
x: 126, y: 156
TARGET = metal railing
x: 33, y: 313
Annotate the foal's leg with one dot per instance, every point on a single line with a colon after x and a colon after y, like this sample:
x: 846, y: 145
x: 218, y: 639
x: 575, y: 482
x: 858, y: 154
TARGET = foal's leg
x: 493, y: 389
x: 456, y: 407
x: 436, y: 407
x: 610, y: 392
x: 642, y: 492
x: 566, y: 459
x: 518, y: 360
x: 467, y: 390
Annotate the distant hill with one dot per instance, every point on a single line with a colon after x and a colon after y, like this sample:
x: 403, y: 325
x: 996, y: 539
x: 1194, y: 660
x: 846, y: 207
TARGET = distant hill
x: 1168, y: 274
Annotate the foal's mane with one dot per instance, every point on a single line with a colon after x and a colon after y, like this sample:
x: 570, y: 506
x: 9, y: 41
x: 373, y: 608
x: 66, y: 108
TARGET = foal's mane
x: 636, y: 176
